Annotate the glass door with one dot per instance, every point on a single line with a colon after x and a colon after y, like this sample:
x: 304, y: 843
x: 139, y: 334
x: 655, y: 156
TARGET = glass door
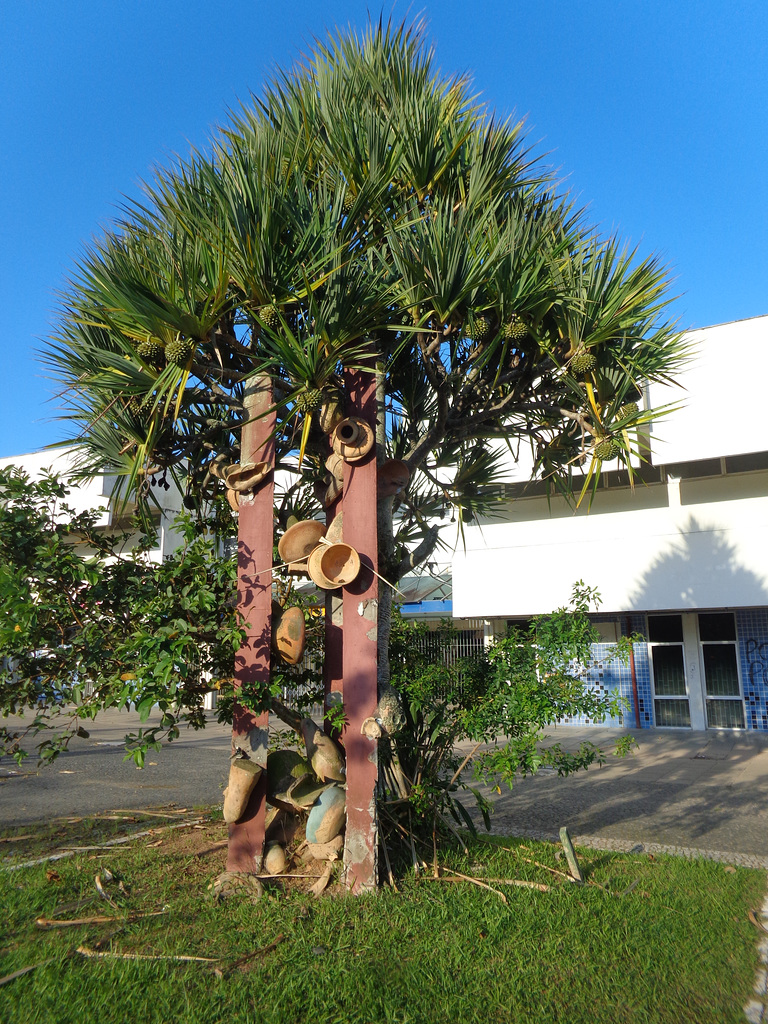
x: 671, y: 705
x: 720, y: 668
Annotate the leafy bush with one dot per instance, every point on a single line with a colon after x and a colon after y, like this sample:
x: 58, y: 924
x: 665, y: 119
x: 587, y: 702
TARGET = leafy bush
x: 501, y: 701
x: 85, y: 625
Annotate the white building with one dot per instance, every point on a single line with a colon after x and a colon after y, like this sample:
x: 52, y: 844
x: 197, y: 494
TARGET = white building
x: 95, y: 493
x: 681, y: 558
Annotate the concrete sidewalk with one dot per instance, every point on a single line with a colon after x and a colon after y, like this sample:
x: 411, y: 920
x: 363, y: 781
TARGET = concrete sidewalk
x: 679, y: 790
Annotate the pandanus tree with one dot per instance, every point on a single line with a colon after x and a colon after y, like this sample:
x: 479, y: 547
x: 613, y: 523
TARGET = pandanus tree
x: 364, y: 215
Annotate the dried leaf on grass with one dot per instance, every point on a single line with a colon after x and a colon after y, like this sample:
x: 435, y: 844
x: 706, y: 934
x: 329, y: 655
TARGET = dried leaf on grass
x: 110, y: 955
x: 321, y: 884
x: 756, y: 921
x: 243, y: 960
x: 49, y: 922
x: 24, y: 970
x: 69, y: 851
x: 101, y: 891
x: 457, y: 876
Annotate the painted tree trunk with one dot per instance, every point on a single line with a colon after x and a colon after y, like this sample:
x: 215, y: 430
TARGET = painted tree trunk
x: 360, y: 616
x: 250, y: 732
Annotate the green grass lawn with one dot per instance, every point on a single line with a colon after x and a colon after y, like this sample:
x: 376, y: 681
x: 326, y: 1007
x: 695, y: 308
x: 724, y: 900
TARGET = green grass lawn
x: 677, y: 947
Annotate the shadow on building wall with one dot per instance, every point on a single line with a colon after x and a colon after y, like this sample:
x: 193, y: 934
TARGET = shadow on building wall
x: 702, y: 570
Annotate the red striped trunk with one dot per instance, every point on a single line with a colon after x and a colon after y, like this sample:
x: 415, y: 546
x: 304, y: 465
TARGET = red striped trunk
x: 254, y: 594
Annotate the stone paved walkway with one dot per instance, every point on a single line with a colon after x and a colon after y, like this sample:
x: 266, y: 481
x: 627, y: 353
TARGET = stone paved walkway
x: 696, y: 794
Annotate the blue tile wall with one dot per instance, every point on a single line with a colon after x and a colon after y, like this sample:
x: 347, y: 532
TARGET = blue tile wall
x: 608, y: 676
x: 752, y: 632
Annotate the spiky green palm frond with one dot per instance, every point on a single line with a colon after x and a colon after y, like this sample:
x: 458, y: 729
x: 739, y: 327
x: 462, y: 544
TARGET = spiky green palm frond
x: 366, y: 207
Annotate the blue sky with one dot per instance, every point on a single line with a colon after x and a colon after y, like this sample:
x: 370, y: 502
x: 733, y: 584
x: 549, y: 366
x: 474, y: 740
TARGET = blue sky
x: 656, y: 113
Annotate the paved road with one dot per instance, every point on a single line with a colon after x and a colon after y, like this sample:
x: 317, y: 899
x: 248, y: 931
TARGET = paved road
x: 691, y: 790
x: 92, y: 776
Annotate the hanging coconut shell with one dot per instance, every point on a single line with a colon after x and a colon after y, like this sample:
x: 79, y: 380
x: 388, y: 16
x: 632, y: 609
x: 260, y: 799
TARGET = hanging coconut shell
x: 289, y: 635
x: 274, y: 859
x: 243, y: 776
x: 284, y: 767
x: 332, y: 566
x: 389, y: 711
x: 333, y: 481
x: 353, y: 439
x: 328, y: 816
x: 218, y: 467
x: 335, y: 466
x: 370, y: 728
x: 246, y: 477
x: 321, y: 490
x: 298, y: 541
x: 326, y: 851
x: 329, y: 415
x: 334, y: 533
x: 303, y: 792
x: 392, y: 477
x: 297, y: 795
x: 325, y: 756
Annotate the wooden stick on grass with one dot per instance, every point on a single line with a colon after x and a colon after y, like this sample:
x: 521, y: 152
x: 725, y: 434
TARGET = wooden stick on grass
x: 522, y: 883
x: 570, y: 855
x: 552, y: 871
x: 153, y: 814
x: 528, y: 860
x: 390, y: 875
x: 102, y: 892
